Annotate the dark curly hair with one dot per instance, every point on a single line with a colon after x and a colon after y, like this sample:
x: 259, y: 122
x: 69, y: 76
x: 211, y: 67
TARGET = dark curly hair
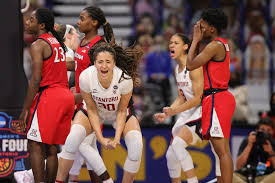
x: 215, y: 18
x: 46, y: 16
x: 97, y: 14
x: 126, y: 58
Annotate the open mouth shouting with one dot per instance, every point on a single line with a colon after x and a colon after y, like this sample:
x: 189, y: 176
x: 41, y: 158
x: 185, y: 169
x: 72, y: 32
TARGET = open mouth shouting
x: 172, y: 53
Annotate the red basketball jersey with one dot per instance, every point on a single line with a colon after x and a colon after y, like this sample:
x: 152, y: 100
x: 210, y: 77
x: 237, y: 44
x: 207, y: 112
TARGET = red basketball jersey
x: 54, y: 71
x: 82, y: 60
x: 217, y: 73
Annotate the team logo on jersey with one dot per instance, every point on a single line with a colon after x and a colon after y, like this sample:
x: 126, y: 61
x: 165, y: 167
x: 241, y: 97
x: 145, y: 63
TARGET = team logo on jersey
x: 94, y: 91
x: 13, y: 147
x: 83, y: 51
x: 33, y: 133
x: 115, y: 88
x: 216, y: 130
x: 88, y: 47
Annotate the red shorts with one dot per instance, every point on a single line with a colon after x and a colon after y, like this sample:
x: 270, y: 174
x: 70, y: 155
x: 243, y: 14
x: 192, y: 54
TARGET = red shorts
x: 217, y: 112
x: 50, y: 115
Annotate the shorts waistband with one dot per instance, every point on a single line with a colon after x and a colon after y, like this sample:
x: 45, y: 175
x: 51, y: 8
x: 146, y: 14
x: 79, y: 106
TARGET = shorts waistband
x: 212, y: 91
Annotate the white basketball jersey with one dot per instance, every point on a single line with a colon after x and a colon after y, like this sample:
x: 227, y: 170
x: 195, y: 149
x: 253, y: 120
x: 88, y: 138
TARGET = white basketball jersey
x: 106, y: 100
x: 184, y: 84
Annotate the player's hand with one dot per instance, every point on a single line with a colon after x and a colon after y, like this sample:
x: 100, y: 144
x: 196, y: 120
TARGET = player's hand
x: 73, y: 90
x: 20, y: 125
x: 107, y: 143
x: 160, y: 117
x: 197, y: 32
x: 169, y: 111
x: 114, y: 143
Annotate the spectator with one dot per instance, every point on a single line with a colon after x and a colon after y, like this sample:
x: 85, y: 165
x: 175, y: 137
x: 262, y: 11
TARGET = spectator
x: 159, y: 69
x: 145, y: 25
x: 149, y: 7
x: 235, y: 56
x: 174, y: 6
x: 255, y: 25
x: 257, y: 55
x: 271, y: 113
x: 240, y: 93
x: 256, y: 156
x: 252, y: 5
x: 233, y: 28
x: 172, y: 26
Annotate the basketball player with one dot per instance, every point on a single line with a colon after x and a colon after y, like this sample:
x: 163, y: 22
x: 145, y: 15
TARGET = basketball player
x: 218, y: 104
x: 91, y: 18
x: 106, y: 89
x: 70, y: 35
x: 49, y: 102
x: 186, y: 129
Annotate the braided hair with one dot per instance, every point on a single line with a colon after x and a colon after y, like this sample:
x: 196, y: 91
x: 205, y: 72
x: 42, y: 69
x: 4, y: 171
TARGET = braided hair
x: 46, y: 16
x: 97, y: 14
x: 126, y: 58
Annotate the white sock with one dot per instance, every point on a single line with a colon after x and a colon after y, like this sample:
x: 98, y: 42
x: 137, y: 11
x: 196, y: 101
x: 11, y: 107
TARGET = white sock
x: 193, y: 180
x: 110, y: 180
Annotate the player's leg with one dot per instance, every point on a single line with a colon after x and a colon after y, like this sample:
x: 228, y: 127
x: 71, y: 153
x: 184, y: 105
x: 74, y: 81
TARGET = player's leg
x: 75, y: 170
x: 218, y: 168
x: 174, y: 167
x: 133, y: 140
x: 37, y: 160
x: 93, y: 159
x: 221, y: 147
x: 93, y: 176
x: 80, y: 128
x: 179, y: 144
x: 52, y: 163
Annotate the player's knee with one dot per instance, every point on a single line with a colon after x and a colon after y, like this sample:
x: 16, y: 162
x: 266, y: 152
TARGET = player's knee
x: 67, y: 155
x: 173, y: 165
x: 74, y: 139
x: 133, y: 140
x: 178, y: 146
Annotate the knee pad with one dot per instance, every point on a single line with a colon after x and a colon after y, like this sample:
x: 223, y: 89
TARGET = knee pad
x: 182, y: 154
x: 173, y: 164
x: 74, y: 139
x: 75, y: 170
x: 92, y: 157
x: 90, y: 140
x: 133, y: 141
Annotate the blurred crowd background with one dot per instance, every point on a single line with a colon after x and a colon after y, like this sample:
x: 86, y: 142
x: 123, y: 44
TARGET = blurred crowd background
x: 151, y: 23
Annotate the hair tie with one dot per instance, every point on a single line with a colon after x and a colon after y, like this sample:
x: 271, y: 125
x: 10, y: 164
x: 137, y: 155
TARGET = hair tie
x: 105, y: 23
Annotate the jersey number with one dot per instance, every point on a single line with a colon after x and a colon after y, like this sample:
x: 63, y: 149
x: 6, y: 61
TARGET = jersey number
x: 109, y: 107
x: 57, y: 59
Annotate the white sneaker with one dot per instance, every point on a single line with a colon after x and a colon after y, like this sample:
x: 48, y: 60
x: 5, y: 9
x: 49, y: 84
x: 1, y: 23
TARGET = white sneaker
x: 24, y: 176
x: 28, y: 177
x: 19, y: 176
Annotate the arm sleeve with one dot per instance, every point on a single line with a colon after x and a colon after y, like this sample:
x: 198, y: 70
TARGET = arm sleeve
x: 126, y: 86
x: 84, y: 83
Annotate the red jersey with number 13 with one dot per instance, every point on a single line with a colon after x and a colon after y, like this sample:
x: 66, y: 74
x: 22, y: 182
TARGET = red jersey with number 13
x: 82, y: 60
x: 54, y: 71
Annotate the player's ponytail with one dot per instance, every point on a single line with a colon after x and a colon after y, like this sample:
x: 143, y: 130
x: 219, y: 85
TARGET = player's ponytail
x: 97, y: 14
